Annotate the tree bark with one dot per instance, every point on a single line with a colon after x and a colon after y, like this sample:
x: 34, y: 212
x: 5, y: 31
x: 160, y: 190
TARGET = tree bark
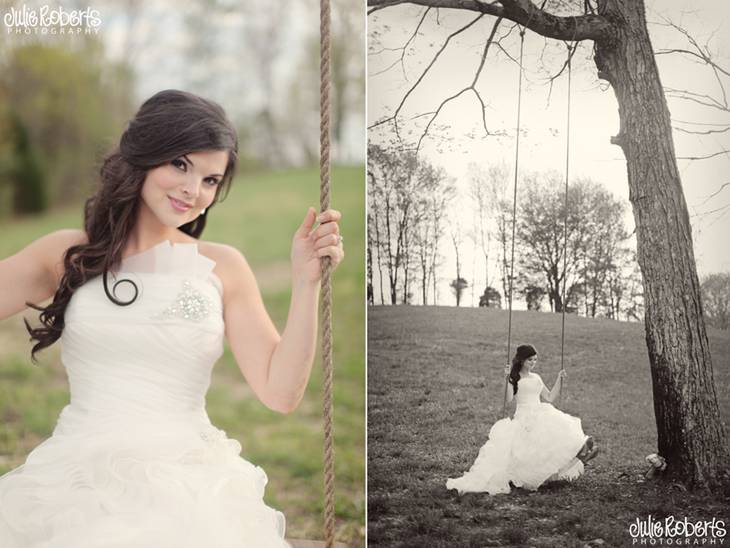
x: 690, y: 433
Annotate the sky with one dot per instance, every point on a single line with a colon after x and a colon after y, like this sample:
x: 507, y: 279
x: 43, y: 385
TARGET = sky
x: 460, y: 137
x: 160, y: 38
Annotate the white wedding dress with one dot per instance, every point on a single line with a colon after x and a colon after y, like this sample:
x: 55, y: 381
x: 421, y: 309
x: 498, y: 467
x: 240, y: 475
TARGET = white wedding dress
x: 134, y: 461
x: 538, y: 444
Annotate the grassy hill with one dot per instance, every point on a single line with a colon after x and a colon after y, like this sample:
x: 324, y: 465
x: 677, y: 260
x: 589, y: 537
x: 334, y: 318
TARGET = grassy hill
x: 259, y: 217
x: 435, y: 388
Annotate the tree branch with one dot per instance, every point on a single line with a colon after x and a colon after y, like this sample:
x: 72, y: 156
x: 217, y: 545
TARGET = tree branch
x: 705, y: 157
x: 725, y: 185
x: 401, y: 60
x: 394, y: 117
x: 526, y: 13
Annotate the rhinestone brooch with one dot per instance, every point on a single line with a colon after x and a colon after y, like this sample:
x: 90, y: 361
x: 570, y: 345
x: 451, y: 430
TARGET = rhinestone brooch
x: 190, y: 304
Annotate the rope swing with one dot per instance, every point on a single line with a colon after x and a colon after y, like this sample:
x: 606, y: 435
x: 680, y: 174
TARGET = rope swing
x: 565, y: 227
x: 571, y: 50
x: 514, y: 216
x: 326, y: 305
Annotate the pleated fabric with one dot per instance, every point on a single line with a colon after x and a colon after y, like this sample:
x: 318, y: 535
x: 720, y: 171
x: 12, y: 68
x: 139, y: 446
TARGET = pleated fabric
x: 538, y: 444
x: 134, y: 461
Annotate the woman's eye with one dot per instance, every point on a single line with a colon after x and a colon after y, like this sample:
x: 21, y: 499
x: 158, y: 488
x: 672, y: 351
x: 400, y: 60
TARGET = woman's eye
x: 180, y: 164
x: 212, y: 181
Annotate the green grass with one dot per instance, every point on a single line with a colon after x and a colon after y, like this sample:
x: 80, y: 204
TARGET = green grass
x: 435, y: 389
x: 258, y: 217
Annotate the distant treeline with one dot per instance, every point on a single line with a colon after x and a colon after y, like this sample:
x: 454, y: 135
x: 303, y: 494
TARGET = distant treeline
x: 414, y: 210
x: 59, y: 110
x: 410, y: 218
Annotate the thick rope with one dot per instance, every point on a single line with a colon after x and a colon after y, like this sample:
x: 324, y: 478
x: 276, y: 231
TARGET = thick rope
x: 324, y: 204
x: 514, y: 218
x: 565, y: 231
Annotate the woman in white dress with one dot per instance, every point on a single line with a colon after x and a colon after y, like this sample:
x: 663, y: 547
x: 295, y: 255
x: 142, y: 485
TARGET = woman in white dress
x: 142, y: 307
x: 538, y: 444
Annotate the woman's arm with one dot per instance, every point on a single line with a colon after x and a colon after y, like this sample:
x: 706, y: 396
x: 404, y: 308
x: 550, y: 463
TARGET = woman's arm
x: 277, y: 367
x: 33, y: 273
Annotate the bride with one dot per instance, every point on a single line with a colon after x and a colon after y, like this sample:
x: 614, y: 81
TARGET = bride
x: 539, y: 444
x: 141, y: 306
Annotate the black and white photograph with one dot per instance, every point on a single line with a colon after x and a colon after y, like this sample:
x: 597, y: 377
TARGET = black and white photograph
x: 548, y: 276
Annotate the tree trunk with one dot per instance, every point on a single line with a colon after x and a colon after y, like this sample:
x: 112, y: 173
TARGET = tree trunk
x: 370, y: 296
x: 691, y: 435
x: 380, y: 252
x: 392, y: 264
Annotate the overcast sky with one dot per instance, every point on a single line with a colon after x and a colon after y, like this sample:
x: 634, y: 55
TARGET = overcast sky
x: 161, y: 37
x: 594, y: 117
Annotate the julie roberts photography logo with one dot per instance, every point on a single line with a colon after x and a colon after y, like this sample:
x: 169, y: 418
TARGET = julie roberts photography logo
x: 671, y: 531
x: 51, y: 20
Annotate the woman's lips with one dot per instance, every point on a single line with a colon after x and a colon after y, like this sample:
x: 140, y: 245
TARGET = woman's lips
x: 177, y: 205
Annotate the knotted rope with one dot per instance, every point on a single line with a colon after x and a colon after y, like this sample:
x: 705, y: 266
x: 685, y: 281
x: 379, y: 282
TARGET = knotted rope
x: 326, y: 304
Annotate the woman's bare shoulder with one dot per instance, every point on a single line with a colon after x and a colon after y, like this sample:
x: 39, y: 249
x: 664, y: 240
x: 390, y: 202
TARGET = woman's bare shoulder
x: 225, y: 256
x: 230, y: 264
x: 67, y: 237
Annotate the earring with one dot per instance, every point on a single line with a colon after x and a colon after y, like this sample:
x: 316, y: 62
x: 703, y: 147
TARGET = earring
x: 202, y: 212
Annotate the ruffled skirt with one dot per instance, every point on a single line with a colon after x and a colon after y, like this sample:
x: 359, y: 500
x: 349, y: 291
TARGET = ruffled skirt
x: 540, y: 443
x: 137, y: 484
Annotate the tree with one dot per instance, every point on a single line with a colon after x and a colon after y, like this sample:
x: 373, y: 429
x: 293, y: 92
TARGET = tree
x: 388, y: 176
x: 68, y: 100
x: 497, y: 185
x: 406, y: 198
x: 545, y: 234
x: 533, y: 296
x: 716, y: 299
x: 458, y: 286
x: 434, y: 189
x: 600, y: 254
x: 691, y: 435
x: 28, y: 178
x: 438, y: 207
x: 481, y: 187
x: 490, y: 298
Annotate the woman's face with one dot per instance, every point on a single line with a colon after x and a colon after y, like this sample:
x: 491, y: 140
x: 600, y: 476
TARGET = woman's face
x: 530, y: 364
x: 178, y: 191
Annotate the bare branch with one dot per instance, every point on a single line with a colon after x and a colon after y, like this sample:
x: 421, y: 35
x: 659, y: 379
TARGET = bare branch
x: 566, y: 64
x: 698, y: 132
x: 688, y: 122
x: 471, y: 87
x: 715, y: 193
x: 699, y: 98
x: 394, y: 117
x: 401, y: 59
x: 707, y: 156
x: 527, y: 14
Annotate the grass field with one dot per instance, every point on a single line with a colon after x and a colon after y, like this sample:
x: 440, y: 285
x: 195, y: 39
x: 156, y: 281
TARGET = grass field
x: 259, y: 217
x: 434, y: 390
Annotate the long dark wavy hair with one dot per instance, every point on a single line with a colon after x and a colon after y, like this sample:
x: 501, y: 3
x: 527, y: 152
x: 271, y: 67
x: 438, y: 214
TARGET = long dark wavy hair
x: 523, y: 353
x: 168, y: 125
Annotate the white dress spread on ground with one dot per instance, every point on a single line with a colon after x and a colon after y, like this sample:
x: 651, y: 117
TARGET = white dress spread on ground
x: 134, y: 461
x: 540, y: 443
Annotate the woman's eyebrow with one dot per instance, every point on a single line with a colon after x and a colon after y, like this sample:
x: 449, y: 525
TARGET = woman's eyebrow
x: 193, y: 165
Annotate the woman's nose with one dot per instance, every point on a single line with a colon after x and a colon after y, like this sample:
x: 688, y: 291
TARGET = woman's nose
x: 192, y: 187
